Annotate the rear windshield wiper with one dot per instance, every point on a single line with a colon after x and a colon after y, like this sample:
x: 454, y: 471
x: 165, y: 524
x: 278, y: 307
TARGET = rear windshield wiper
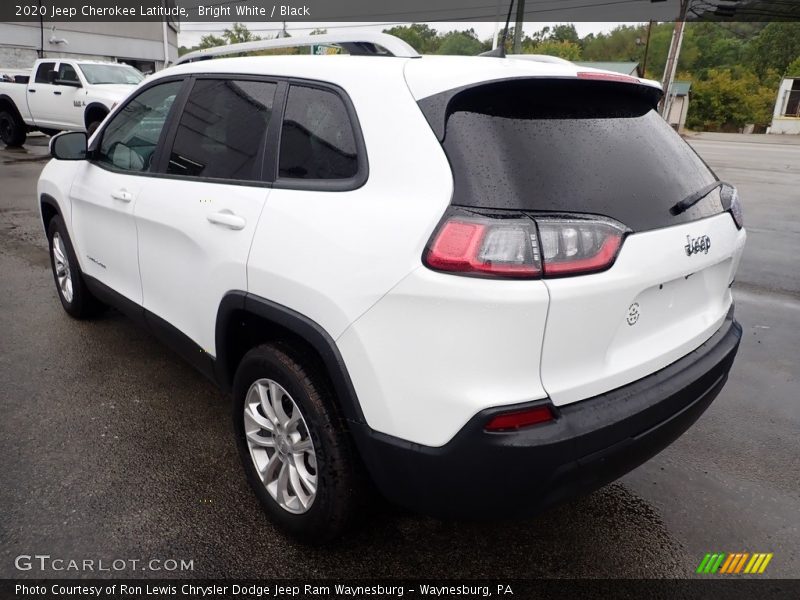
x: 694, y: 198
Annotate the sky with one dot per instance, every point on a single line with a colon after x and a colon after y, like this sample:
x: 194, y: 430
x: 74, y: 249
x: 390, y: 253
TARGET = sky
x: 192, y: 32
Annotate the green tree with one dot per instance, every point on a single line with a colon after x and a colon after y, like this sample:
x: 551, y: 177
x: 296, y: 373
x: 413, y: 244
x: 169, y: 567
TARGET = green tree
x: 564, y: 33
x: 793, y: 70
x: 563, y: 49
x: 777, y: 45
x: 209, y: 41
x: 419, y: 36
x: 464, y: 43
x: 238, y: 34
x: 728, y: 99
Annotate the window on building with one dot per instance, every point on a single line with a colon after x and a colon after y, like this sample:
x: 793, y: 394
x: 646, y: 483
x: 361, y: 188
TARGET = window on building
x: 222, y: 129
x: 793, y: 100
x: 317, y: 140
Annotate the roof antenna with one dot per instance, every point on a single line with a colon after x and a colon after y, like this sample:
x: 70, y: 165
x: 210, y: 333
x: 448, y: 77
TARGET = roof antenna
x: 500, y: 51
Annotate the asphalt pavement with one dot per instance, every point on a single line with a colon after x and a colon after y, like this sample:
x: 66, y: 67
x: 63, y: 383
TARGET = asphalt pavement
x: 112, y: 447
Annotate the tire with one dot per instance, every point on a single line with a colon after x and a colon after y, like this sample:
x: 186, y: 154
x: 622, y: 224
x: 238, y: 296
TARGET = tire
x: 75, y: 296
x: 12, y: 129
x: 315, y: 516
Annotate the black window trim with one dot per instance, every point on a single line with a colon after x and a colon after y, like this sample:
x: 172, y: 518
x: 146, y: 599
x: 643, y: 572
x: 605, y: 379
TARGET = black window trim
x: 169, y: 141
x: 271, y: 144
x: 326, y: 185
x: 180, y: 100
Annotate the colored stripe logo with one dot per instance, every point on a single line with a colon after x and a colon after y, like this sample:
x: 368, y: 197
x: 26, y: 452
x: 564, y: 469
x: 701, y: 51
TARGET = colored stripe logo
x: 734, y: 563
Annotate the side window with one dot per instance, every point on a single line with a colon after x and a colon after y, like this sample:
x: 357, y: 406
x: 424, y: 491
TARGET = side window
x: 317, y: 140
x: 222, y: 130
x: 130, y: 139
x: 67, y: 72
x: 43, y: 72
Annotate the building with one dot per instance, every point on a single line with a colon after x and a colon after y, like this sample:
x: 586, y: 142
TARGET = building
x: 679, y: 106
x: 786, y: 117
x: 626, y: 68
x: 143, y: 45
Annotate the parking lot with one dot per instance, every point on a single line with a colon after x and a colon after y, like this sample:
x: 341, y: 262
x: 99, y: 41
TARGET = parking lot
x: 112, y: 447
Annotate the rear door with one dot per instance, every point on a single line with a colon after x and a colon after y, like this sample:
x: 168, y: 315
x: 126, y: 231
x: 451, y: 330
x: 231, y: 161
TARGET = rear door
x: 41, y: 94
x: 196, y: 222
x: 562, y: 150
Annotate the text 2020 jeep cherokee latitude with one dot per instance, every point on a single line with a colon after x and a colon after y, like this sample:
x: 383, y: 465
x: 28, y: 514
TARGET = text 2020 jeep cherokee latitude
x: 485, y: 284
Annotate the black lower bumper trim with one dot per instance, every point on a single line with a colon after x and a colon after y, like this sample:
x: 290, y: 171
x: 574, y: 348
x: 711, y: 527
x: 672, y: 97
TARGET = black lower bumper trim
x: 592, y: 442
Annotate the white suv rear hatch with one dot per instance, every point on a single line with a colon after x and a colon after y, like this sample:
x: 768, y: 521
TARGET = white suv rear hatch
x: 560, y: 146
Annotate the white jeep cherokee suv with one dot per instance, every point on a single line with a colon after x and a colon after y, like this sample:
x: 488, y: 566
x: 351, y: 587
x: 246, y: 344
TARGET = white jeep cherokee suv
x: 482, y: 284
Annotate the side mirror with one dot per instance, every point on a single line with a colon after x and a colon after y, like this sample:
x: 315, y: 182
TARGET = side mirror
x: 70, y: 145
x: 68, y: 82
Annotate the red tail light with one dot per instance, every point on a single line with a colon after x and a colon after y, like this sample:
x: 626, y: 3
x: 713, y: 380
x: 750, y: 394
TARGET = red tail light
x: 490, y: 247
x: 520, y: 418
x: 522, y: 247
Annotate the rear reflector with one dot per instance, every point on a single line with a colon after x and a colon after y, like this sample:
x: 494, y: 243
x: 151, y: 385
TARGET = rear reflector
x: 519, y: 246
x: 522, y: 418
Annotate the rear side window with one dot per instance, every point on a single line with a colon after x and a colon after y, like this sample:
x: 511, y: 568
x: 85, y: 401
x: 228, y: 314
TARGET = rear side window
x: 317, y: 139
x: 222, y: 130
x: 569, y: 146
x: 43, y: 72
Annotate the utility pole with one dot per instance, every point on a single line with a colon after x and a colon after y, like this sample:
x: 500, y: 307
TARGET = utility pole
x: 518, y: 27
x: 672, y: 59
x: 647, y: 49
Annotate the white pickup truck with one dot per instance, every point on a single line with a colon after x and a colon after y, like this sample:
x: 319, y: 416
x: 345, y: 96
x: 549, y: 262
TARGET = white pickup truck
x: 61, y: 95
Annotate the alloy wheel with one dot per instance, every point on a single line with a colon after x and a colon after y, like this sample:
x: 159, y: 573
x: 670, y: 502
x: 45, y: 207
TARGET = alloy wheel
x: 280, y: 446
x: 61, y: 264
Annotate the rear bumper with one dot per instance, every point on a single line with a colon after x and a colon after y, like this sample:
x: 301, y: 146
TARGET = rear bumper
x: 591, y: 443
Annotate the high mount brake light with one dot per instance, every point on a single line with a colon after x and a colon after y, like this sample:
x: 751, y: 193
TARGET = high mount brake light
x: 607, y: 77
x: 522, y: 247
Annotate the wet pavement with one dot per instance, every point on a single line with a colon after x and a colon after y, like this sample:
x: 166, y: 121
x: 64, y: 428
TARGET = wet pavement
x: 114, y: 448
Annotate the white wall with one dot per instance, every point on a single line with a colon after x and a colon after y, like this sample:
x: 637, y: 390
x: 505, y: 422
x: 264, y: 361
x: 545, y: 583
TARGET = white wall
x: 19, y: 42
x: 780, y: 123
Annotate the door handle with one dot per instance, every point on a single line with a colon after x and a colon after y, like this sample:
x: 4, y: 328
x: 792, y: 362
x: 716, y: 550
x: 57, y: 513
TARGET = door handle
x: 227, y: 219
x: 57, y: 93
x: 122, y: 195
x: 32, y: 91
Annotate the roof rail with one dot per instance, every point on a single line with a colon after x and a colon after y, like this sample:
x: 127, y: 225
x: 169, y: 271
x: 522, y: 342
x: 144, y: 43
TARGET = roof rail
x: 362, y: 44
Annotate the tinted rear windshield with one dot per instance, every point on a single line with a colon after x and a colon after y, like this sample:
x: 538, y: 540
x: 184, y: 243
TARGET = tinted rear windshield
x: 566, y: 145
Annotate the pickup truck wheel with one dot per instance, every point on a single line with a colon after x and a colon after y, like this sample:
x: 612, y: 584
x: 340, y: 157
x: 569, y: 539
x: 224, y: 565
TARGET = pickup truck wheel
x: 75, y: 297
x: 92, y: 128
x: 12, y: 129
x: 296, y: 453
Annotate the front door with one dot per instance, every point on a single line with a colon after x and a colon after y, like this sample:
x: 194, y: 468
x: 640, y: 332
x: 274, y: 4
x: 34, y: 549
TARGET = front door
x: 69, y: 102
x: 105, y: 194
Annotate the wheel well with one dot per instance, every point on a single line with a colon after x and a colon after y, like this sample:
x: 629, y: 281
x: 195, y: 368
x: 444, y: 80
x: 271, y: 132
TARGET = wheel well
x: 49, y: 211
x: 246, y: 331
x: 7, y: 104
x: 94, y: 112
